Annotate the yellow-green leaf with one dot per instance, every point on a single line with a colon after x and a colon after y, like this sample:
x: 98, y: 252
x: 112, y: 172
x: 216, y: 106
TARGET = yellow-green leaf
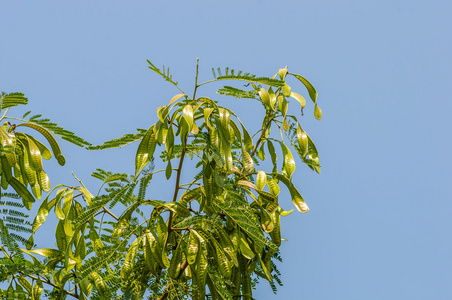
x: 129, y: 260
x: 168, y: 170
x: 45, y: 152
x: 317, y: 112
x: 169, y: 144
x: 289, y: 162
x: 302, y: 138
x: 188, y: 115
x: 44, y: 181
x: 60, y: 236
x: 297, y: 199
x: 273, y: 186
x: 261, y: 180
x: 282, y: 73
x: 245, y: 248
x: 48, y: 252
x: 26, y: 284
x: 299, y: 98
x: 192, y: 249
x: 37, y: 290
x: 247, y: 161
x: 27, y: 197
x: 53, y: 143
x: 308, y: 85
x: 175, y: 98
x: 286, y: 90
x: 265, y: 97
x: 207, y: 112
x: 145, y: 150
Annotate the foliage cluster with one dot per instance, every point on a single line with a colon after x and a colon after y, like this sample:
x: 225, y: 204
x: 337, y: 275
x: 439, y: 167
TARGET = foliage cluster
x: 213, y: 239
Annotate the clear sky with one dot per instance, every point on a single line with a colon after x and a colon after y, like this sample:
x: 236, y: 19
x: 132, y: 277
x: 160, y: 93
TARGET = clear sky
x: 381, y: 211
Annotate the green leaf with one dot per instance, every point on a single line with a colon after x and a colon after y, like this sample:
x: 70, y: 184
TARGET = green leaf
x: 192, y: 249
x: 53, y: 143
x: 44, y: 181
x: 289, y: 162
x: 282, y: 73
x: 237, y: 93
x: 178, y: 209
x: 245, y: 248
x: 264, y: 194
x: 317, y: 112
x: 286, y: 90
x: 169, y: 170
x: 261, y: 180
x: 99, y: 283
x: 124, y: 219
x: 265, y: 97
x: 271, y: 150
x: 175, y: 98
x: 299, y: 98
x: 67, y: 201
x: 48, y: 252
x: 60, y: 236
x: 297, y: 199
x: 12, y: 99
x: 27, y: 197
x: 176, y: 261
x: 308, y: 85
x: 188, y: 115
x: 253, y: 78
x: 145, y: 150
x: 247, y: 161
x: 37, y: 290
x: 129, y: 261
x: 244, y: 220
x: 26, y: 284
x: 313, y: 155
x: 302, y: 139
x: 207, y: 112
x: 42, y: 214
x: 273, y: 186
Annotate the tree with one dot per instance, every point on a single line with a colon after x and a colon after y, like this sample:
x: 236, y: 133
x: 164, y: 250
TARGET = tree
x: 216, y: 236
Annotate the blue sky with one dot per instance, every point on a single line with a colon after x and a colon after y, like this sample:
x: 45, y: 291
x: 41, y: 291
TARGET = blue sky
x: 381, y: 211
